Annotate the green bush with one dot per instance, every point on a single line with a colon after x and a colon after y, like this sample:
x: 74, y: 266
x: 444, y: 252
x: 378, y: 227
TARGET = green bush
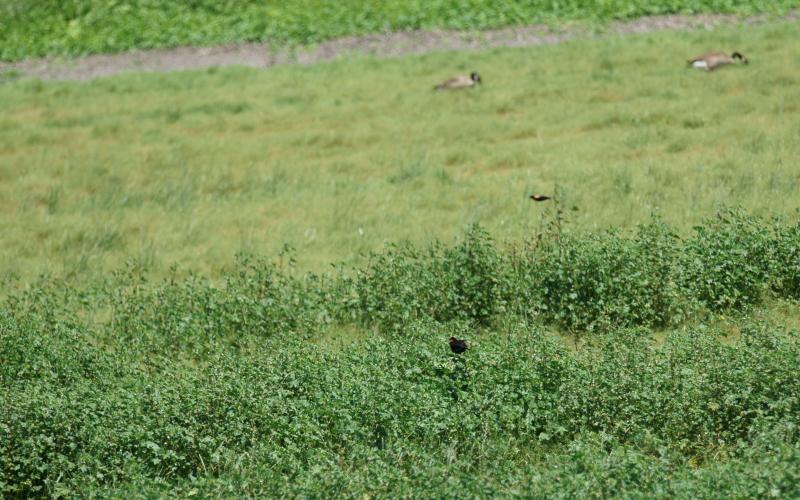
x: 30, y: 28
x: 786, y: 261
x: 60, y: 357
x: 193, y: 314
x: 727, y: 263
x: 610, y: 279
x: 591, y: 282
x: 464, y: 282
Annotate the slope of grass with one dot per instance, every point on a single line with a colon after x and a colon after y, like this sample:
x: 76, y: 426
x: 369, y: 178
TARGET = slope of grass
x: 336, y: 158
x: 31, y: 28
x: 658, y: 359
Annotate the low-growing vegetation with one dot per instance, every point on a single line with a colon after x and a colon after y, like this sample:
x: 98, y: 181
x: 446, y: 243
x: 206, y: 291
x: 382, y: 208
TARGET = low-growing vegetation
x: 30, y: 28
x: 280, y: 382
x: 651, y: 278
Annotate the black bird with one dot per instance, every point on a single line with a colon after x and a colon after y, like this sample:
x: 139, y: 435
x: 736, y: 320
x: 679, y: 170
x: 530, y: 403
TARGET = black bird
x: 539, y: 197
x: 458, y: 346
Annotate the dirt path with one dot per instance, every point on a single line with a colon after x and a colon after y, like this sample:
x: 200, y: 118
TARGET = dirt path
x: 389, y: 45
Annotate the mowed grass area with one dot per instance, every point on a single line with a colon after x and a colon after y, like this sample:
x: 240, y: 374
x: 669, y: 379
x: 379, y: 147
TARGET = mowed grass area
x: 335, y: 159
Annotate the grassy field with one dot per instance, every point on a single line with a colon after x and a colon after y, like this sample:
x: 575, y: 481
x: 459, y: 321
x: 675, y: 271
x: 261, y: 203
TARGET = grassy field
x: 634, y: 339
x: 30, y: 28
x: 337, y: 158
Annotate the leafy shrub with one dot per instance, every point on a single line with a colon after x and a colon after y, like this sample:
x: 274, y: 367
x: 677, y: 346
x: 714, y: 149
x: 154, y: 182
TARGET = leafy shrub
x: 397, y: 287
x: 30, y: 355
x: 590, y: 282
x: 194, y: 314
x: 728, y: 261
x: 477, y: 271
x: 403, y: 284
x: 610, y: 279
x: 786, y: 261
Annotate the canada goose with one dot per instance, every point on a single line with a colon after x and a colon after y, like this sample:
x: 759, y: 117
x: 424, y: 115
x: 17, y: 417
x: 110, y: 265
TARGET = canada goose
x: 457, y: 346
x: 714, y: 60
x: 459, y: 82
x: 539, y: 197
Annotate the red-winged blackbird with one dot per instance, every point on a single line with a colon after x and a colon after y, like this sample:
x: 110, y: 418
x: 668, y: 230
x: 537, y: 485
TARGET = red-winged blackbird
x: 457, y: 346
x: 539, y: 197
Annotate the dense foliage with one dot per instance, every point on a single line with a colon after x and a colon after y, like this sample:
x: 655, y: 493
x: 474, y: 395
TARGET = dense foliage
x: 652, y: 278
x: 44, y: 27
x: 185, y: 387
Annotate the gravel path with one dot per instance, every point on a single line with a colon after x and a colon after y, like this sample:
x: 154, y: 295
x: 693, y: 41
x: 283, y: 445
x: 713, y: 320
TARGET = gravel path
x: 259, y: 55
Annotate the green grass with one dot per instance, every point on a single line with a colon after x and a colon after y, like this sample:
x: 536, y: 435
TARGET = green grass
x: 335, y: 159
x: 53, y: 27
x: 659, y: 359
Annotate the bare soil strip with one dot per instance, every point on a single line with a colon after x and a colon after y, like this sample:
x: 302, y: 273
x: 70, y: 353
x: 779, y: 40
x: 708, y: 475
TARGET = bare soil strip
x: 259, y: 55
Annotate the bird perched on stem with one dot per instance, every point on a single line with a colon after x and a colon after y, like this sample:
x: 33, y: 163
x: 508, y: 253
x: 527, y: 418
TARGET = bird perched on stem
x: 539, y: 197
x: 714, y: 60
x: 457, y: 346
x: 459, y: 82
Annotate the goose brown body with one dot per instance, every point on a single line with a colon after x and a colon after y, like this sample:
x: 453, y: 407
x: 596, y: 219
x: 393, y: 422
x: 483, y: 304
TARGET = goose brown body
x: 459, y: 82
x: 713, y: 60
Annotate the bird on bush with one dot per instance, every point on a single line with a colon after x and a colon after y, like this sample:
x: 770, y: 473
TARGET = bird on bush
x: 459, y: 82
x: 457, y: 346
x: 539, y: 197
x: 714, y: 60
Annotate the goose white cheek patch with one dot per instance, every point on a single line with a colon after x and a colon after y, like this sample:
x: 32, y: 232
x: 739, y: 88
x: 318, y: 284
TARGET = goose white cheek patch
x: 699, y: 64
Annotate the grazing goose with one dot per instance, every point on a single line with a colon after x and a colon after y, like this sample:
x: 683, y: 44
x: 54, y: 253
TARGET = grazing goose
x: 714, y: 60
x: 539, y: 197
x: 459, y: 82
x: 457, y: 346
